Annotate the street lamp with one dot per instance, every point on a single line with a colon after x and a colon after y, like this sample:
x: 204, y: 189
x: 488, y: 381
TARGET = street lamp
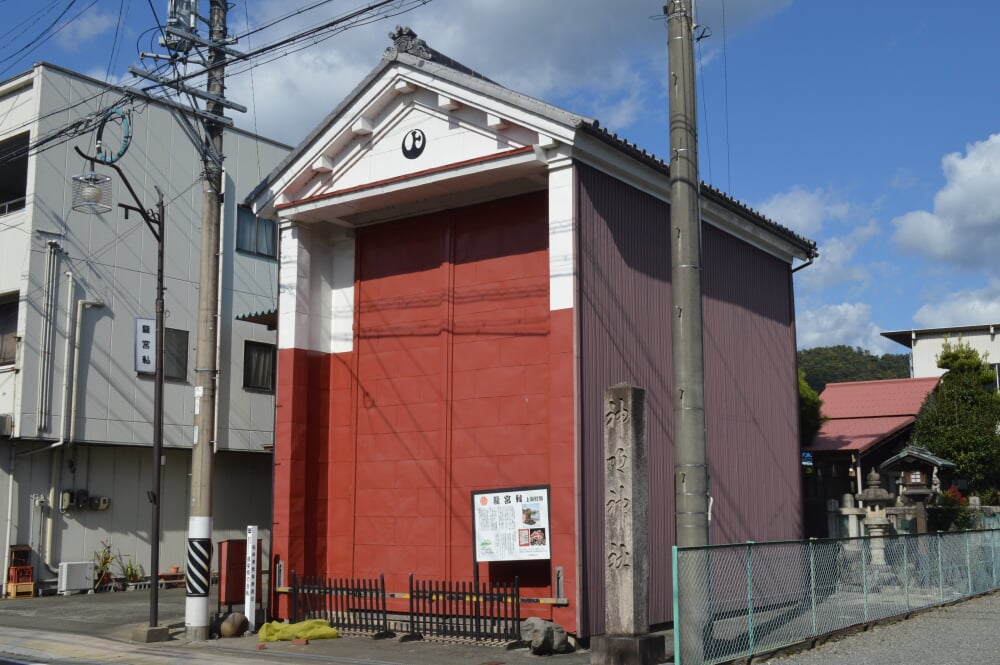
x: 92, y: 195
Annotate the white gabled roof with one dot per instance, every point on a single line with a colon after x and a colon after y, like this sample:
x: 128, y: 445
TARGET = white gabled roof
x: 422, y: 132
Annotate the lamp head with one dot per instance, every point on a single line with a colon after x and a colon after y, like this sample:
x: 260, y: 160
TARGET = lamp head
x: 91, y: 193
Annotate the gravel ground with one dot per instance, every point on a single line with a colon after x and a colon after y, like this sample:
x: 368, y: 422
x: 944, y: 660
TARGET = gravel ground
x: 967, y: 633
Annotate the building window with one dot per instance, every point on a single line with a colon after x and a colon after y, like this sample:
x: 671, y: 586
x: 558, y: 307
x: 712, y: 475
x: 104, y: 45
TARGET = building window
x: 175, y: 354
x: 916, y: 478
x: 13, y: 173
x: 8, y: 330
x: 255, y: 235
x: 258, y: 366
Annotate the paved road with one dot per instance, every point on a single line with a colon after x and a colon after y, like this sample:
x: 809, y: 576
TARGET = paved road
x: 96, y: 628
x: 967, y: 633
x: 90, y: 629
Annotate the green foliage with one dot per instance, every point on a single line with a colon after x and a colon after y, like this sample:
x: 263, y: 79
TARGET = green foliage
x: 103, y: 558
x: 988, y: 496
x: 836, y: 364
x: 959, y: 419
x: 128, y: 569
x: 951, y: 512
x: 810, y: 416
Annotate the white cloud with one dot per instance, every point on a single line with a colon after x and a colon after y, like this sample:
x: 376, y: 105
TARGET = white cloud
x: 836, y: 263
x: 962, y: 229
x: 846, y: 323
x: 87, y: 27
x: 606, y: 59
x: 962, y: 308
x: 803, y: 211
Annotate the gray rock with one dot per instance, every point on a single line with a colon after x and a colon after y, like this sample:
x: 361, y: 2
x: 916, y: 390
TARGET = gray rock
x: 234, y: 625
x: 529, y: 626
x: 560, y: 641
x: 544, y: 637
x: 541, y: 640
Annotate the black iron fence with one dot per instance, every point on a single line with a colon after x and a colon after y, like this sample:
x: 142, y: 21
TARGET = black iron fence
x: 441, y: 610
x: 450, y: 610
x: 350, y: 605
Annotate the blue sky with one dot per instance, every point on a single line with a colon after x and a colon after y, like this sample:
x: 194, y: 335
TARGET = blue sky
x: 872, y: 129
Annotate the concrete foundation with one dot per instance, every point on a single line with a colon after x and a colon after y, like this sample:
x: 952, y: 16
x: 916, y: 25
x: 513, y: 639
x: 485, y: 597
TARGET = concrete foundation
x: 626, y: 650
x: 151, y: 634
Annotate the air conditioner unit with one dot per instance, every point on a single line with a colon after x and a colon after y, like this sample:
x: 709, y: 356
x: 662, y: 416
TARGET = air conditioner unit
x: 75, y: 577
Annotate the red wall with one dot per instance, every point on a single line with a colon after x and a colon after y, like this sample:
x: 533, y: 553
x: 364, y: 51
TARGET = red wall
x: 460, y: 379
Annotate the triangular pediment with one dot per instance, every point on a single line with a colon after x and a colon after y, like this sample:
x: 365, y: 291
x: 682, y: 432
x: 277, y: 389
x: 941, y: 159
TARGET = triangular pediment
x: 408, y: 123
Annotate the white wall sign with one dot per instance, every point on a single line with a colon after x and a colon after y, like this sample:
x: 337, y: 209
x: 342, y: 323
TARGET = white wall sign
x: 250, y: 588
x: 145, y: 346
x: 511, y: 524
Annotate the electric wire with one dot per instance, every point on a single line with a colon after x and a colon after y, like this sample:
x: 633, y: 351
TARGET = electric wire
x: 704, y: 111
x: 115, y: 43
x: 46, y: 34
x: 289, y: 45
x: 23, y: 27
x: 361, y: 16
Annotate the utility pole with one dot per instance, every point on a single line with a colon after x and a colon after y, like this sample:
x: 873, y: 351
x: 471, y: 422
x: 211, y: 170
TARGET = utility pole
x: 199, y: 543
x: 690, y: 459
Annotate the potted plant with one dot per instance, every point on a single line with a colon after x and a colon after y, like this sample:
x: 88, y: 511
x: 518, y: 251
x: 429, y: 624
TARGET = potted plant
x: 103, y: 559
x: 129, y: 570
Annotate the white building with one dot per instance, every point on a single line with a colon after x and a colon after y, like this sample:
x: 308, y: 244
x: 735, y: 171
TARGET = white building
x: 925, y: 345
x: 76, y: 399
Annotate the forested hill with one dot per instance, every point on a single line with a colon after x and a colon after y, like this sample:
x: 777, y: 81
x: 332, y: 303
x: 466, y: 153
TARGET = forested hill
x: 835, y: 364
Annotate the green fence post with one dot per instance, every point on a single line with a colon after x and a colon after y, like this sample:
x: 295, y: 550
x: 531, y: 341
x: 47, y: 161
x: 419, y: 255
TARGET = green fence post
x: 750, y: 593
x: 940, y: 568
x: 677, y: 607
x: 993, y: 553
x: 812, y: 582
x: 865, y: 546
x: 968, y: 561
x: 906, y: 570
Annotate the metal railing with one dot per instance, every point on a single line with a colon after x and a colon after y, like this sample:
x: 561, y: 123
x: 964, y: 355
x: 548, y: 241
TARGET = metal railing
x: 435, y: 609
x: 350, y: 605
x: 450, y: 610
x: 7, y: 207
x: 753, y: 598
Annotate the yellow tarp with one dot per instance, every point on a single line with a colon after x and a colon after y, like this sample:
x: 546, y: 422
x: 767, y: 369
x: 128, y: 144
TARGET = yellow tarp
x: 310, y: 629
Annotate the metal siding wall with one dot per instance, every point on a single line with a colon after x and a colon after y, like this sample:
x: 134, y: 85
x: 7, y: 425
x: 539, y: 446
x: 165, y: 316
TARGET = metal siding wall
x: 751, y: 393
x: 750, y: 388
x: 624, y: 265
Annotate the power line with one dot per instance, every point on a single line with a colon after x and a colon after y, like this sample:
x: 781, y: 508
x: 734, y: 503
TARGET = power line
x: 45, y: 34
x: 362, y: 16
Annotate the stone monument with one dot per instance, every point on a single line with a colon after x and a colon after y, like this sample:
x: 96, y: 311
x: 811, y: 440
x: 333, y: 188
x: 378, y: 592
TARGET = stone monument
x: 626, y: 533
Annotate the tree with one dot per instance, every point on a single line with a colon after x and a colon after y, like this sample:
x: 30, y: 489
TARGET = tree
x: 959, y: 420
x: 835, y: 364
x: 810, y: 416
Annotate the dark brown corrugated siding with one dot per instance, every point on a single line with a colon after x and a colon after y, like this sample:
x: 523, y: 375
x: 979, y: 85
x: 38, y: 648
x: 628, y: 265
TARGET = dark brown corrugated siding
x: 624, y: 313
x: 751, y: 392
x: 750, y: 387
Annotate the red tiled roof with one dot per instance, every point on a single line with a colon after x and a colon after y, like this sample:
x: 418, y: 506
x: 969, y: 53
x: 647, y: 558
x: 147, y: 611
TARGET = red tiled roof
x: 856, y: 434
x: 874, y: 399
x: 863, y: 413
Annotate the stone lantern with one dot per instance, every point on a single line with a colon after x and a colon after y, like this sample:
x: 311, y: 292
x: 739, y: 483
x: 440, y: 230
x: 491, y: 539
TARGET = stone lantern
x: 875, y: 499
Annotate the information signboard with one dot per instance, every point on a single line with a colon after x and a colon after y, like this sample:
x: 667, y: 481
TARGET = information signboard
x: 511, y: 524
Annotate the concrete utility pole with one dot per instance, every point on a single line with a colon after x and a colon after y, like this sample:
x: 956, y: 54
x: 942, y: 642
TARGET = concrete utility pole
x: 199, y: 543
x: 690, y: 459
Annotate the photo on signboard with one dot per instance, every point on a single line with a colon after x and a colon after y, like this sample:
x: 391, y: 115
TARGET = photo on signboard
x: 530, y: 513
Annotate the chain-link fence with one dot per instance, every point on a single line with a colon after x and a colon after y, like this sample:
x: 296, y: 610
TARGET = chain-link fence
x: 734, y: 601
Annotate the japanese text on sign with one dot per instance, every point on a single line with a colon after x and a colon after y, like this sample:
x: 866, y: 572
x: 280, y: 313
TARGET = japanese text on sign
x: 511, y: 524
x: 145, y: 346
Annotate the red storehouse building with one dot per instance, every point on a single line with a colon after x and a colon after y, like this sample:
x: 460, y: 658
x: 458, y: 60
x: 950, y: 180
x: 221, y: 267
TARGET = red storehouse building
x: 464, y: 270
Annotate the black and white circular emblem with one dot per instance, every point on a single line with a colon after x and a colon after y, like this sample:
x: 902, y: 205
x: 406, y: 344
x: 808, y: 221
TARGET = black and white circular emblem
x: 413, y: 143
